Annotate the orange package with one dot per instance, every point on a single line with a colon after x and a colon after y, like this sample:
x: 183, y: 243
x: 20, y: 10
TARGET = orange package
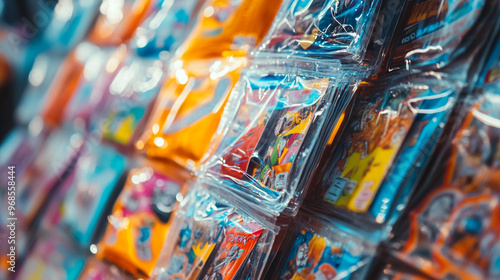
x: 189, y: 109
x: 228, y: 25
x: 118, y: 21
x: 142, y: 216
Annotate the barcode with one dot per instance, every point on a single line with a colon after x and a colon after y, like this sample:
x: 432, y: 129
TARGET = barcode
x: 280, y: 181
x: 336, y: 189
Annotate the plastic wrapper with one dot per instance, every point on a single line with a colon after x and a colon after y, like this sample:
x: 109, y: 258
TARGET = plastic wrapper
x: 391, y: 273
x: 452, y: 230
x: 210, y: 239
x: 52, y: 258
x: 96, y: 269
x: 141, y: 217
x: 392, y: 129
x: 227, y: 26
x: 189, y: 108
x: 434, y: 32
x: 133, y: 88
x: 87, y: 194
x: 275, y: 118
x: 118, y: 21
x: 322, y: 28
x: 316, y: 248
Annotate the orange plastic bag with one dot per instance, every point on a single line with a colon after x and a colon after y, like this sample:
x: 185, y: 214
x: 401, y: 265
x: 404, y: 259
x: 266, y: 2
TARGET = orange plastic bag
x: 189, y: 108
x: 230, y: 26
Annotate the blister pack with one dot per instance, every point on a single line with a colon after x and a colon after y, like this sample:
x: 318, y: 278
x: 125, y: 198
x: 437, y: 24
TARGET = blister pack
x: 264, y: 145
x: 324, y: 29
x: 87, y: 193
x: 213, y: 240
x: 316, y: 248
x: 141, y: 217
x: 453, y: 229
x: 392, y: 129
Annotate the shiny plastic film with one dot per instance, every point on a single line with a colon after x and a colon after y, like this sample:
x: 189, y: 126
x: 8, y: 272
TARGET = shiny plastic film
x: 210, y: 239
x: 317, y: 248
x: 141, y: 217
x: 392, y: 129
x: 263, y: 147
x: 325, y: 29
x: 453, y: 229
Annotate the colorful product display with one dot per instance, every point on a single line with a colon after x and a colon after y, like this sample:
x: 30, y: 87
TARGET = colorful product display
x: 250, y: 139
x: 141, y: 218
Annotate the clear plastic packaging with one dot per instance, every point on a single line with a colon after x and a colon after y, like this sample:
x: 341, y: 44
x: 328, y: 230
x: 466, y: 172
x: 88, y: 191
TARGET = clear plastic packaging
x: 326, y: 29
x: 86, y: 194
x: 189, y: 108
x: 210, y: 238
x: 317, y: 248
x: 141, y: 217
x: 453, y: 228
x: 274, y: 130
x: 229, y: 27
x: 434, y: 32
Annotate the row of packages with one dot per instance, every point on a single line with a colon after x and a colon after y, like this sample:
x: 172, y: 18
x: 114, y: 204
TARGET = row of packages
x: 251, y: 139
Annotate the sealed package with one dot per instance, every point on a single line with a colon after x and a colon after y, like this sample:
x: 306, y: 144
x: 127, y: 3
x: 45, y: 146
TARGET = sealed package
x: 229, y: 27
x: 137, y: 82
x: 391, y: 131
x: 322, y: 28
x: 141, y: 217
x: 96, y: 269
x: 86, y: 193
x: 433, y: 32
x: 453, y: 230
x: 275, y: 118
x: 189, y: 109
x: 52, y: 258
x: 319, y: 249
x: 210, y: 239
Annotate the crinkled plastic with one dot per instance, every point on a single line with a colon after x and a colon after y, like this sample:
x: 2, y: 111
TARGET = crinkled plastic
x: 230, y: 26
x: 118, y: 21
x: 391, y: 131
x: 454, y: 231
x: 327, y: 29
x: 211, y: 239
x: 274, y: 128
x: 96, y: 269
x: 189, y: 108
x: 433, y: 32
x: 141, y: 217
x: 316, y: 248
x: 52, y: 258
x: 87, y: 193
